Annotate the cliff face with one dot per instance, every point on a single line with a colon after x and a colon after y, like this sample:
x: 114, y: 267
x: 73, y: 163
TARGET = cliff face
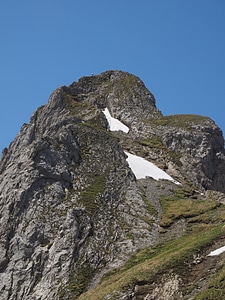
x: 71, y: 208
x: 198, y: 146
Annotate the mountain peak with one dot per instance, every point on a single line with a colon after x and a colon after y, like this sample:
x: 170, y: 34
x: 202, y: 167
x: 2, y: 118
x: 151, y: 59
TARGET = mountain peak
x: 74, y: 206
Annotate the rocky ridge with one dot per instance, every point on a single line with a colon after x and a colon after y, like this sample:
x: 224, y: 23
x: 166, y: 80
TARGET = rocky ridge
x: 71, y: 209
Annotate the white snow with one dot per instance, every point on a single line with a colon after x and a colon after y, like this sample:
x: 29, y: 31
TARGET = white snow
x: 217, y: 251
x: 142, y: 168
x: 114, y: 124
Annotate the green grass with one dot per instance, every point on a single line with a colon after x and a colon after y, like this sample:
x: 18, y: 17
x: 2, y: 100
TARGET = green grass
x: 79, y: 109
x: 175, y: 207
x: 182, y: 121
x: 88, y: 196
x: 215, y: 289
x: 150, y: 208
x: 96, y: 122
x: 148, y: 263
x: 77, y: 284
x: 83, y: 276
x: 127, y: 83
x: 153, y: 142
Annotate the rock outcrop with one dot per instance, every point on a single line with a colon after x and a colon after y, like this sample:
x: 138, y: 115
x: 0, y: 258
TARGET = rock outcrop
x: 71, y: 209
x: 197, y: 147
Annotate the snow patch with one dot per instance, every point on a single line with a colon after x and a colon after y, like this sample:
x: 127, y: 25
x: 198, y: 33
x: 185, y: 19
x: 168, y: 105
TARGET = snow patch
x: 115, y: 124
x: 217, y: 251
x: 142, y: 168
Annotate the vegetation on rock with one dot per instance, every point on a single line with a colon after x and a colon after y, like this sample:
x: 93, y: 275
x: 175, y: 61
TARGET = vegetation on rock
x: 77, y: 224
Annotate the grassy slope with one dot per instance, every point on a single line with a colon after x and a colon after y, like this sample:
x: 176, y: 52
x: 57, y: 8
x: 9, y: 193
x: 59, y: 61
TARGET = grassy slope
x: 205, y: 225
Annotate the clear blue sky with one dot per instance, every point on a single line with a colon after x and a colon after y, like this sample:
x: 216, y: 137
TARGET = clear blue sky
x: 177, y: 47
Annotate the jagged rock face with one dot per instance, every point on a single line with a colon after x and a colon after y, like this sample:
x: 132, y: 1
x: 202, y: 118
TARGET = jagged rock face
x: 200, y: 146
x: 70, y: 206
x: 68, y: 200
x: 195, y: 143
x: 124, y: 94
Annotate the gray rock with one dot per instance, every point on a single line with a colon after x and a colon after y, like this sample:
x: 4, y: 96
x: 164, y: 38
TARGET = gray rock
x: 70, y: 207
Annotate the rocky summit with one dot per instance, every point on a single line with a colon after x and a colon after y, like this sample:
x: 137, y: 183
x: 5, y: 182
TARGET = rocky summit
x: 77, y: 222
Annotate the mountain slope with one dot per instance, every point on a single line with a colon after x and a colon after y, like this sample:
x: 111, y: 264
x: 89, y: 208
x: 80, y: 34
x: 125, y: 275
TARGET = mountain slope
x: 72, y: 209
